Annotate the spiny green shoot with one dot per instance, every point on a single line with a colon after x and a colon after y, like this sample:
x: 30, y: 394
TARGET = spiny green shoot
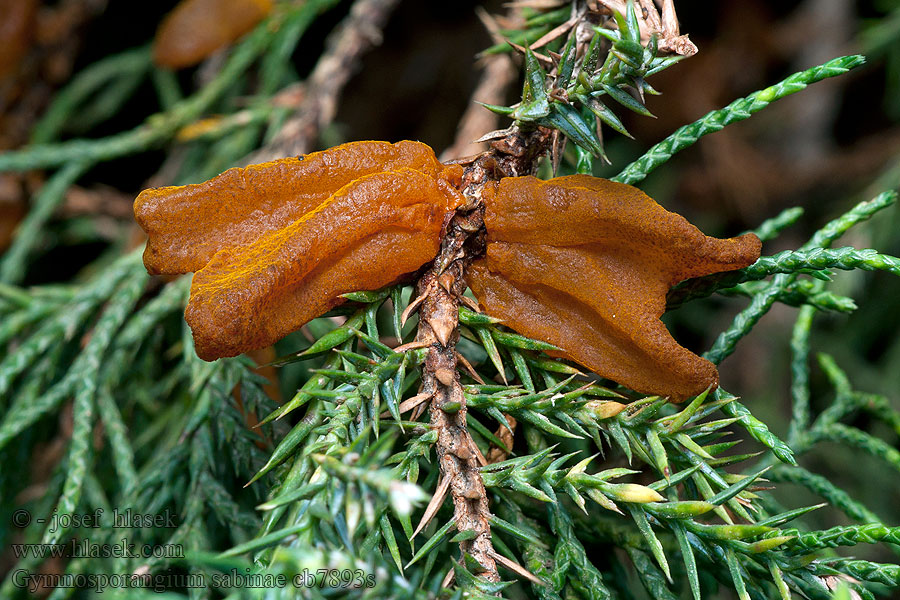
x: 339, y: 476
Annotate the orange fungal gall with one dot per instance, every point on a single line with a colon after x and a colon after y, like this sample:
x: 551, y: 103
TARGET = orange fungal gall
x: 275, y: 245
x: 585, y: 264
x: 197, y: 28
x: 580, y: 262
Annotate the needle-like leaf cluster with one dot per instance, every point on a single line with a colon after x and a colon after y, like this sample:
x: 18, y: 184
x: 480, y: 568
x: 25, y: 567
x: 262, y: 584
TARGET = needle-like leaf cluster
x: 596, y: 491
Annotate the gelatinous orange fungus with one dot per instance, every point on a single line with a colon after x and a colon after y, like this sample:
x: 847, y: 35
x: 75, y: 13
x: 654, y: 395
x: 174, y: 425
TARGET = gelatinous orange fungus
x: 585, y: 264
x: 197, y: 28
x: 188, y: 224
x: 275, y: 245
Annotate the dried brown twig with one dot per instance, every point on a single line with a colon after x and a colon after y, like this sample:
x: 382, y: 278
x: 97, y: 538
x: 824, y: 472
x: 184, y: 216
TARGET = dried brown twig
x: 505, y: 433
x: 650, y: 21
x: 499, y: 73
x: 357, y: 34
x: 440, y: 289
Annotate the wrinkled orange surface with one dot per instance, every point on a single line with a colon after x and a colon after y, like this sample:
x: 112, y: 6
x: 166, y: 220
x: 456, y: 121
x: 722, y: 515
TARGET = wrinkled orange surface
x: 197, y: 28
x: 275, y: 245
x: 188, y: 224
x: 585, y: 264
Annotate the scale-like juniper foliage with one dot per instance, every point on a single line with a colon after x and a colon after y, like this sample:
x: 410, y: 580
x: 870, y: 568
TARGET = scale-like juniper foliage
x: 594, y: 491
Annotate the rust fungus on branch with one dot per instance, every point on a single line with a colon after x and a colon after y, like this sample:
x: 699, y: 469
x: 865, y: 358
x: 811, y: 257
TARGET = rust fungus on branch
x: 275, y: 245
x: 580, y: 262
x: 585, y: 264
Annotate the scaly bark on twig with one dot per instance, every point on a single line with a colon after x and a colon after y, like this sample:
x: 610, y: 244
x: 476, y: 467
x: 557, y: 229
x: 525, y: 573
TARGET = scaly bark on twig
x: 442, y: 285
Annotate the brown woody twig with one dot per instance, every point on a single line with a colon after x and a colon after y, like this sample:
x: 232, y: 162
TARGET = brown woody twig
x: 442, y: 286
x: 357, y: 34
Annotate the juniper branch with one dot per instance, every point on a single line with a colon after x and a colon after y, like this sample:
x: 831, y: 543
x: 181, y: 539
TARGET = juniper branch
x: 12, y: 265
x: 740, y: 109
x: 787, y: 262
x: 827, y: 490
x: 762, y: 302
x: 159, y: 127
x: 442, y: 285
x: 456, y: 452
x: 886, y: 574
x: 851, y: 535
